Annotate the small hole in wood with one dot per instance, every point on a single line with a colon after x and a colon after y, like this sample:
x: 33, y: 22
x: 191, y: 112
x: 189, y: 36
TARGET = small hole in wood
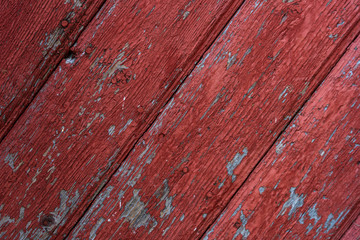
x: 47, y: 220
x: 70, y: 57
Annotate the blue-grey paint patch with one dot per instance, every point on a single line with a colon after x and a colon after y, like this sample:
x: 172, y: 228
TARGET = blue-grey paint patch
x: 312, y: 213
x: 260, y: 29
x: 167, y: 229
x: 9, y: 159
x: 231, y: 61
x: 327, y: 142
x: 277, y: 184
x: 261, y: 190
x: 284, y: 93
x: 186, y: 14
x: 135, y: 212
x: 95, y: 228
x: 218, y: 96
x: 334, y: 37
x: 162, y: 193
x: 235, y: 162
x: 302, y: 218
x: 206, y: 237
x: 6, y: 220
x: 182, y: 218
x: 236, y: 210
x: 306, y: 174
x: 279, y: 147
x: 221, y: 184
x: 331, y: 221
x: 340, y: 23
x: 295, y: 201
x: 126, y: 125
x: 248, y: 51
x: 242, y: 229
x: 204, y: 215
x: 111, y: 130
x: 98, y: 204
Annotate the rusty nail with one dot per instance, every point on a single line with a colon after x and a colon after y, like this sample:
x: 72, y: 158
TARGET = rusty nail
x: 185, y: 170
x: 47, y: 220
x: 64, y: 23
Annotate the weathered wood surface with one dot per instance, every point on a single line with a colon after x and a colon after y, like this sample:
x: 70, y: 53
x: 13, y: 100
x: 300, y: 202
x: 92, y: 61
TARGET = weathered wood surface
x: 308, y: 185
x: 34, y: 36
x: 228, y: 113
x: 353, y: 233
x: 98, y: 102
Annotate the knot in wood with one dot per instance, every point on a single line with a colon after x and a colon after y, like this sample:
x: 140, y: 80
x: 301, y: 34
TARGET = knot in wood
x: 64, y: 23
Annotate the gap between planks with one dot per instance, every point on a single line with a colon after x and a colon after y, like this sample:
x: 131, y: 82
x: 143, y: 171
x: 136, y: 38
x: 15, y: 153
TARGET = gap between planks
x: 354, y: 28
x: 8, y: 128
x: 156, y: 117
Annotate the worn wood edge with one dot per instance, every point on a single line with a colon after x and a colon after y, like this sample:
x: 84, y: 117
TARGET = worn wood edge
x: 322, y: 73
x: 346, y: 226
x: 43, y: 71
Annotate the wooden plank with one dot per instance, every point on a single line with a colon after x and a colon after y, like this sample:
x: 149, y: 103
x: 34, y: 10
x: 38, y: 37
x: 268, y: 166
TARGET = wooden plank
x: 353, y: 233
x: 96, y: 105
x: 228, y: 113
x: 34, y: 37
x: 308, y: 185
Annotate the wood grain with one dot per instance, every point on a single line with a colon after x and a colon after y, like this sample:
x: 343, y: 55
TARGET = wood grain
x: 224, y: 118
x: 34, y: 36
x: 308, y: 185
x: 96, y: 105
x: 353, y: 233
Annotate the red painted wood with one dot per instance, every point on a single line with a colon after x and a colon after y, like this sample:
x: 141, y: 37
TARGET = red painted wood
x: 308, y: 184
x: 210, y: 136
x: 98, y: 102
x: 34, y: 37
x: 353, y: 233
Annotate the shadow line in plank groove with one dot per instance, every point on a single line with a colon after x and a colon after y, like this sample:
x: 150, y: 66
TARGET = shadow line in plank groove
x: 166, y: 102
x: 355, y: 31
x: 33, y: 95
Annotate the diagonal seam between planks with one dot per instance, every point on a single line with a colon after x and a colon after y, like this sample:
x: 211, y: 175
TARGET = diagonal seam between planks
x: 155, y: 118
x: 8, y: 129
x: 340, y: 234
x: 324, y: 65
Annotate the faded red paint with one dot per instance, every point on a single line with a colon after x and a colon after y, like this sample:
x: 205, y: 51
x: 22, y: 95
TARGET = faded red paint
x: 34, y: 37
x: 307, y: 186
x: 81, y: 126
x: 90, y: 139
x: 354, y: 231
x: 230, y: 110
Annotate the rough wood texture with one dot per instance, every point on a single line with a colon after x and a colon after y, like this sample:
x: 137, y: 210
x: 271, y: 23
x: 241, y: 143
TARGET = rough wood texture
x: 34, y: 36
x: 353, y: 233
x: 98, y: 102
x: 308, y: 184
x: 228, y: 113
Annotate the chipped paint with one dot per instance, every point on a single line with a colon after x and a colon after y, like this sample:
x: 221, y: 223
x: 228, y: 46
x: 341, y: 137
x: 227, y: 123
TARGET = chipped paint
x: 136, y: 212
x: 242, y: 229
x: 295, y: 201
x: 235, y: 162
